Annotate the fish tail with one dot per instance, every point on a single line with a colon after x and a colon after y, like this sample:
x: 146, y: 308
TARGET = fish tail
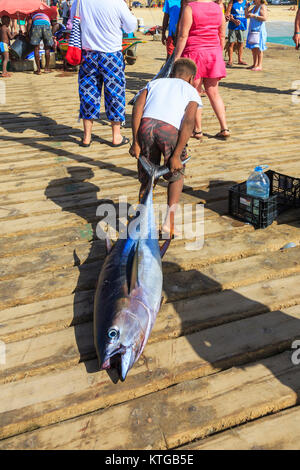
x: 155, y: 171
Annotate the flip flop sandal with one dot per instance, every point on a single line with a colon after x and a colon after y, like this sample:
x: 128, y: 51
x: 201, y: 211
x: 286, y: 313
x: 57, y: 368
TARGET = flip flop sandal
x: 220, y: 134
x: 199, y: 133
x: 125, y: 141
x: 84, y: 145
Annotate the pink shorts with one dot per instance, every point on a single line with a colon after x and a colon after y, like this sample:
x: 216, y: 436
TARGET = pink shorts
x: 210, y: 62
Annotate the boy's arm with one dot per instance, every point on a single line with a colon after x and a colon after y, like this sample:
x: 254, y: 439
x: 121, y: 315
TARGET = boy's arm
x: 137, y: 115
x: 185, y: 133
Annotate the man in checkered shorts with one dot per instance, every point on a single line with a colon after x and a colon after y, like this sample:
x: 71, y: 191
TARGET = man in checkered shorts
x: 102, y: 23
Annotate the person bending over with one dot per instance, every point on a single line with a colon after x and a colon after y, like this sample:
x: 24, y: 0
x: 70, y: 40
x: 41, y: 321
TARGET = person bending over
x: 162, y: 122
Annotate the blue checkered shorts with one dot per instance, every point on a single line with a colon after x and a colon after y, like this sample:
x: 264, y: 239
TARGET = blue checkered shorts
x: 98, y: 69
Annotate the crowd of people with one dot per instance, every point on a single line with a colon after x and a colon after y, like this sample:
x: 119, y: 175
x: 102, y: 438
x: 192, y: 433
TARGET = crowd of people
x: 196, y: 39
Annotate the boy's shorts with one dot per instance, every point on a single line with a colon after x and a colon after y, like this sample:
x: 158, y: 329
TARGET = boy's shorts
x: 156, y: 138
x: 236, y: 35
x: 41, y: 33
x: 3, y: 47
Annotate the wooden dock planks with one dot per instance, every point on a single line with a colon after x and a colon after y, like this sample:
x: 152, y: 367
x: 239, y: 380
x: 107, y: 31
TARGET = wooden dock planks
x: 220, y: 351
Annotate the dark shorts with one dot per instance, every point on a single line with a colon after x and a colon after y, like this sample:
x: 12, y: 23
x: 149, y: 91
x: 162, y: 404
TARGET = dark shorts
x: 41, y: 33
x: 235, y: 35
x: 158, y: 138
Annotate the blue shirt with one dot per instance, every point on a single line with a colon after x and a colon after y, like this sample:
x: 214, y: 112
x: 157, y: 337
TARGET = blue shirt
x: 172, y: 8
x: 238, y: 12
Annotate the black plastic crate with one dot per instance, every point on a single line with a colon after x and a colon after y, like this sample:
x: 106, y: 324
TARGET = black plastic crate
x: 284, y: 194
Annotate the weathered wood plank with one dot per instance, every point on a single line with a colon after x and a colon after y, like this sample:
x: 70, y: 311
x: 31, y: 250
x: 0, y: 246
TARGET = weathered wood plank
x: 30, y: 320
x: 276, y: 432
x: 62, y: 349
x: 207, y: 405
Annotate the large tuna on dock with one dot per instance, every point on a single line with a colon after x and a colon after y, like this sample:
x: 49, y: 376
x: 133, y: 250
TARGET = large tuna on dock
x: 129, y: 290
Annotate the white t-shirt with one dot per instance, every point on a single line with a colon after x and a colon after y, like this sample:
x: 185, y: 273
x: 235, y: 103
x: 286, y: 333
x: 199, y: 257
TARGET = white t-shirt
x: 102, y: 22
x: 168, y: 99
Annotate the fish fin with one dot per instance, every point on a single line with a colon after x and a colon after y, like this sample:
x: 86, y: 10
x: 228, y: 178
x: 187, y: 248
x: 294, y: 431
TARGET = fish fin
x: 108, y: 244
x: 134, y: 281
x: 164, y: 247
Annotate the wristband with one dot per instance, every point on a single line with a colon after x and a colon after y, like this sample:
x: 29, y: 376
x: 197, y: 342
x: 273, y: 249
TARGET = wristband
x: 297, y: 33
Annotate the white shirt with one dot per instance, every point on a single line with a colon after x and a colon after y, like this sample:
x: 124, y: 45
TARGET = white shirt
x: 168, y: 99
x: 102, y: 22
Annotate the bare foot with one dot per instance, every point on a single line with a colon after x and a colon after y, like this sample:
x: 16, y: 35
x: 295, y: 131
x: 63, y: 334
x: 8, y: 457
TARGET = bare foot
x: 257, y: 69
x: 242, y: 62
x: 5, y: 75
x: 47, y: 71
x: 37, y: 72
x: 251, y: 67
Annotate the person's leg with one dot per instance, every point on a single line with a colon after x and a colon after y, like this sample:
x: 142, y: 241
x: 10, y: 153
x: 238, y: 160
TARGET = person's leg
x: 4, y: 64
x: 90, y: 86
x: 198, y: 121
x: 212, y: 90
x: 47, y: 56
x: 174, y: 193
x: 230, y: 54
x: 253, y: 59
x: 87, y: 130
x: 240, y: 54
x: 259, y: 61
x: 255, y: 51
x: 112, y: 70
x: 37, y: 59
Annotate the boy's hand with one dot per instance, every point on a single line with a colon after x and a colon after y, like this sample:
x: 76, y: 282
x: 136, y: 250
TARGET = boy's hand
x: 135, y: 150
x: 175, y: 164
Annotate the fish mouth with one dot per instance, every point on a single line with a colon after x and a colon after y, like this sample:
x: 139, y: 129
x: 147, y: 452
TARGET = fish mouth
x: 122, y: 360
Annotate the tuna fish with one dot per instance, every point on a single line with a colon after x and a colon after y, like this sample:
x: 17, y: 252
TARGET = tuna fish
x: 129, y: 290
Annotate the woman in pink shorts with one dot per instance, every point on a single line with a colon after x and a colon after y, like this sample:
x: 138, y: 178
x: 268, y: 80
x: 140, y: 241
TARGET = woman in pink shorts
x: 201, y: 37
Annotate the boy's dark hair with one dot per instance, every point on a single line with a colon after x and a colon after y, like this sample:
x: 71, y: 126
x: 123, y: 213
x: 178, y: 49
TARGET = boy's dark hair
x: 184, y: 67
x: 5, y: 19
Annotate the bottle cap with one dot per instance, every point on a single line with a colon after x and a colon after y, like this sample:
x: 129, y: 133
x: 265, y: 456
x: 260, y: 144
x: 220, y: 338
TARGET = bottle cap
x: 260, y: 168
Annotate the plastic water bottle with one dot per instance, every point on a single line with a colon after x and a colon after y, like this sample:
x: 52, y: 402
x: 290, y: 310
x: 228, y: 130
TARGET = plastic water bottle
x: 258, y: 184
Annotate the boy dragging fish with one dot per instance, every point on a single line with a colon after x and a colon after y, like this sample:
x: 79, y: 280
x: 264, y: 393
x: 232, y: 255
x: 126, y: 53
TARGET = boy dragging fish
x: 163, y: 120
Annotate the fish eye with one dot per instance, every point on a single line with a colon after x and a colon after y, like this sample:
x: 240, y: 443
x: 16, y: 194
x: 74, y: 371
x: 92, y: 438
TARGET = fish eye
x: 113, y: 333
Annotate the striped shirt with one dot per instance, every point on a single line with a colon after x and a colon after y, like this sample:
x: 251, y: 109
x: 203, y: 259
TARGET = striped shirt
x: 40, y: 19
